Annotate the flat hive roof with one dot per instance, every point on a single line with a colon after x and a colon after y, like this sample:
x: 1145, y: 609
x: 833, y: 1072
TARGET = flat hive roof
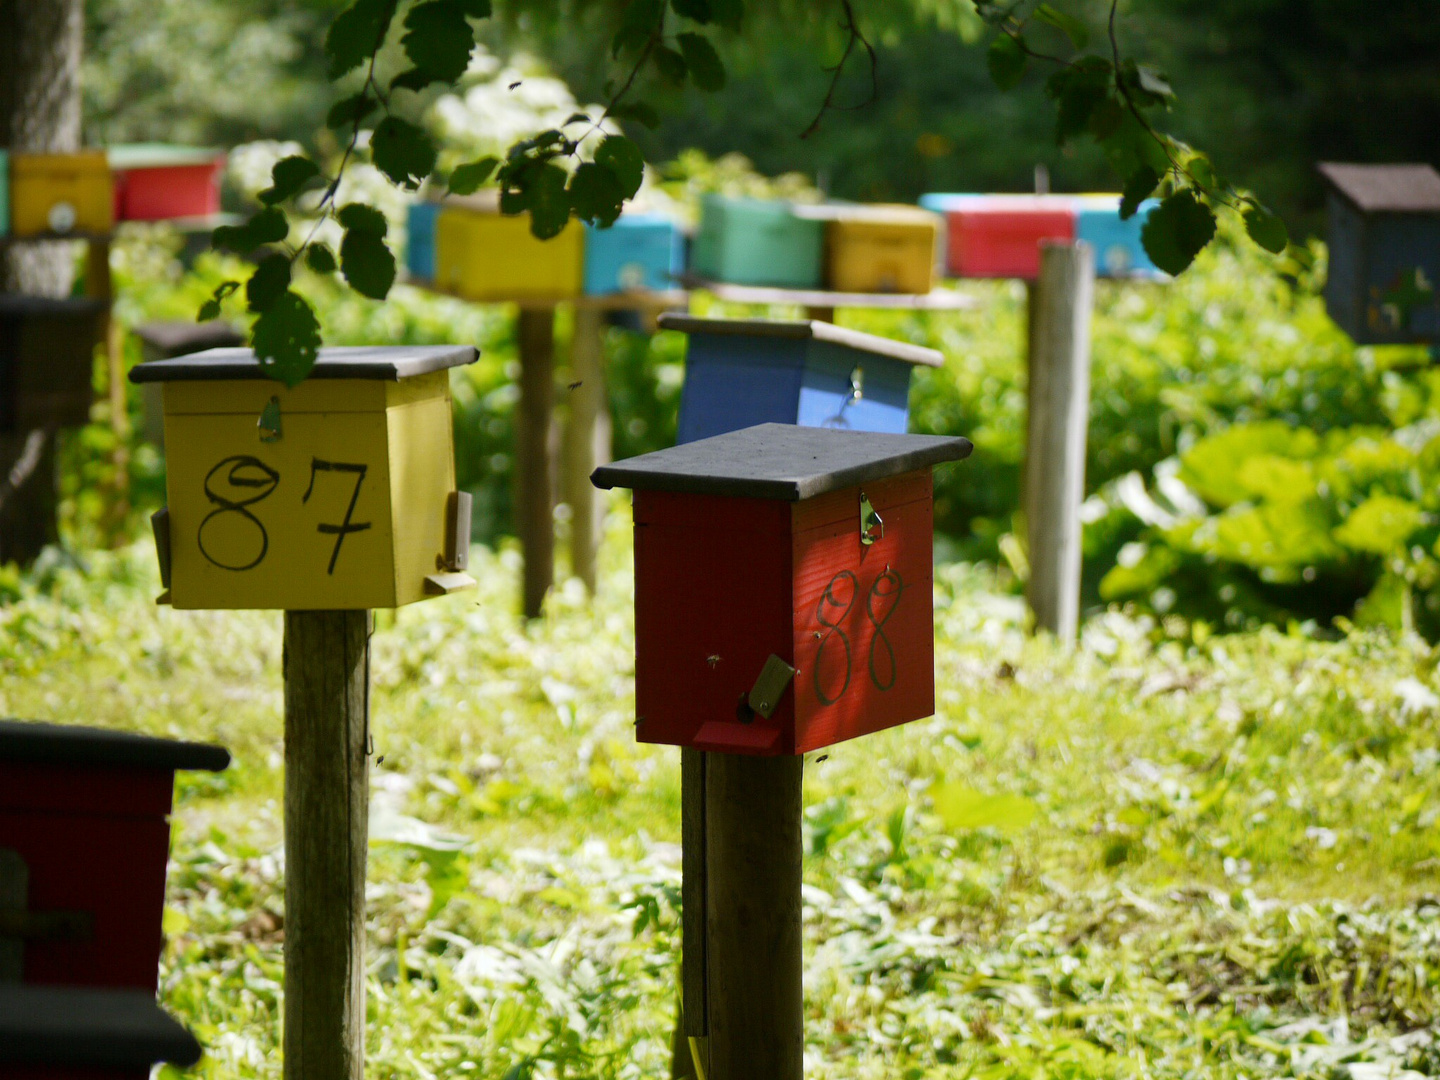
x: 389, y: 362
x: 1393, y: 188
x: 65, y: 744
x: 63, y: 1026
x: 780, y: 461
x: 811, y: 329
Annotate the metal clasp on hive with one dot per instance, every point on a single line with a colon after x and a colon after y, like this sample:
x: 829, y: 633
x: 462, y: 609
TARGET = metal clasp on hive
x: 870, y: 521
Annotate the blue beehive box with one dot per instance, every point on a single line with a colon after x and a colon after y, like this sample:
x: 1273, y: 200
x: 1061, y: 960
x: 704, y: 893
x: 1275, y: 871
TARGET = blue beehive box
x: 420, y: 242
x: 742, y: 372
x: 1384, y: 239
x: 639, y: 251
x: 1118, y: 250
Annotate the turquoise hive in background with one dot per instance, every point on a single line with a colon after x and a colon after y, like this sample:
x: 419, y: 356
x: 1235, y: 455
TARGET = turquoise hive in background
x: 758, y: 242
x: 742, y: 372
x: 420, y: 241
x: 639, y: 251
x: 1118, y: 250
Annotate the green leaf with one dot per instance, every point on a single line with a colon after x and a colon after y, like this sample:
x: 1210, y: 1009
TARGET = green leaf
x: 350, y: 110
x: 286, y: 339
x: 413, y: 79
x: 548, y: 201
x: 1266, y: 229
x: 638, y: 111
x: 288, y: 176
x: 669, y: 63
x: 1007, y: 61
x: 595, y: 194
x: 1153, y: 82
x: 319, y: 258
x: 467, y: 178
x: 1142, y: 183
x: 270, y: 280
x: 367, y: 263
x: 962, y: 809
x: 1079, y: 90
x: 695, y: 10
x: 1380, y: 525
x: 638, y: 25
x: 1176, y: 231
x: 209, y: 311
x: 269, y: 226
x: 706, y: 69
x: 476, y: 9
x: 402, y: 151
x: 1066, y: 23
x: 727, y: 13
x: 356, y: 33
x: 623, y: 158
x: 357, y: 217
x: 438, y: 39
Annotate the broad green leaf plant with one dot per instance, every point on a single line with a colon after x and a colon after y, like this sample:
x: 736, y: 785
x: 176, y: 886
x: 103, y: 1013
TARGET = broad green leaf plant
x: 1105, y: 95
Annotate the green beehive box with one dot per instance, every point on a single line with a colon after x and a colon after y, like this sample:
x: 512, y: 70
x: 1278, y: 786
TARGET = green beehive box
x: 4, y: 193
x: 758, y: 242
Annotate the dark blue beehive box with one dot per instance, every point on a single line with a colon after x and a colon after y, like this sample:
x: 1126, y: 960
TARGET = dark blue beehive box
x: 742, y: 372
x: 1384, y: 238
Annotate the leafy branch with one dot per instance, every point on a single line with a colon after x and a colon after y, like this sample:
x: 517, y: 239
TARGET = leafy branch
x: 1110, y: 98
x: 853, y: 37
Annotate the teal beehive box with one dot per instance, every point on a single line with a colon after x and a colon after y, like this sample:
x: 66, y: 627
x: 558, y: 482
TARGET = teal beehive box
x: 758, y: 242
x: 4, y: 193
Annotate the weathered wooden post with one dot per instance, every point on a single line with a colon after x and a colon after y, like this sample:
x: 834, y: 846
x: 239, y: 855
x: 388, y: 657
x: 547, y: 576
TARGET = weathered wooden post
x: 783, y: 603
x: 534, y: 495
x: 324, y: 500
x: 587, y: 439
x: 1059, y: 411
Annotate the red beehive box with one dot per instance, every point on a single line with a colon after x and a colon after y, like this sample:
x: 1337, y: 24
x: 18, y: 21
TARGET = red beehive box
x: 995, y: 237
x: 84, y: 838
x: 808, y: 548
x: 159, y: 182
x: 63, y: 1033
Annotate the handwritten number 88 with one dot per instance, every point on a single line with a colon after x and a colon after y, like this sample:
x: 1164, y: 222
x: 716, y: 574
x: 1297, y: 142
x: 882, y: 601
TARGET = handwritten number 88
x: 831, y: 612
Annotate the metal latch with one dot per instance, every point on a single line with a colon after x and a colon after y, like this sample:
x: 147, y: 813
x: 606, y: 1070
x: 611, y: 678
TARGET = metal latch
x: 870, y: 520
x: 857, y: 384
x: 765, y: 694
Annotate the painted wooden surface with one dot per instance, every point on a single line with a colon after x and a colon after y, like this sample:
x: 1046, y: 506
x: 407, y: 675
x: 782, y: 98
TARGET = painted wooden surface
x: 61, y: 193
x: 639, y: 251
x: 1002, y: 241
x: 346, y: 509
x: 1059, y: 409
x: 4, y: 192
x: 876, y: 249
x: 1119, y: 251
x: 757, y: 242
x: 420, y: 240
x: 724, y: 582
x: 753, y: 910
x: 487, y: 256
x: 327, y: 723
x: 158, y: 182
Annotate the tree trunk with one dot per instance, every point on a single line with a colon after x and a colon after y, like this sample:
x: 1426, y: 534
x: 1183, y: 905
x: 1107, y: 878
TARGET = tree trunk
x: 40, y: 50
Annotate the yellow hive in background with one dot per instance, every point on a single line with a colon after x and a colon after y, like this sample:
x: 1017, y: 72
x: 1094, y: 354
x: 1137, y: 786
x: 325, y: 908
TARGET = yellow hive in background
x: 61, y: 193
x: 879, y: 248
x: 337, y: 494
x: 481, y: 254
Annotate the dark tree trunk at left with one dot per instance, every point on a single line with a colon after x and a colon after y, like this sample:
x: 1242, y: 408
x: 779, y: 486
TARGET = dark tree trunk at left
x: 40, y: 51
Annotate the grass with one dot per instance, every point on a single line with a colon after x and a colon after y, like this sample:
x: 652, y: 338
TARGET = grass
x: 1165, y: 855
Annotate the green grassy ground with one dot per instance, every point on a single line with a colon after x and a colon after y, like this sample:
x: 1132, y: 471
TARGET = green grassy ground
x: 1166, y: 855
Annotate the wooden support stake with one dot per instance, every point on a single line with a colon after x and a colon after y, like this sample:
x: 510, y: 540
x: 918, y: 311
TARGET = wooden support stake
x: 534, y: 504
x: 1059, y: 397
x: 752, y: 913
x: 327, y: 714
x: 587, y: 440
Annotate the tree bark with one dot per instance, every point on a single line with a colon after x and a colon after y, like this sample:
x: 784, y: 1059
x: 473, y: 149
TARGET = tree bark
x: 40, y: 50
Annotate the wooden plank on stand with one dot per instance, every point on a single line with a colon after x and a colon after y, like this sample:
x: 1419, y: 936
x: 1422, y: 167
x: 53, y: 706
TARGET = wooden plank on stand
x: 587, y: 440
x: 534, y: 501
x: 1059, y: 396
x: 327, y: 714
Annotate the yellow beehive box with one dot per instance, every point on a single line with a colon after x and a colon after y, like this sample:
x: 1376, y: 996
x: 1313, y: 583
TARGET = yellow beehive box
x: 61, y: 193
x: 482, y: 254
x: 878, y: 248
x: 337, y: 494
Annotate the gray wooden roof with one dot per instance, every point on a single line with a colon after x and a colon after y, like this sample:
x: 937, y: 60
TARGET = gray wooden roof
x: 71, y: 1027
x: 805, y: 328
x: 22, y: 740
x: 389, y: 362
x: 780, y: 461
x: 1393, y: 188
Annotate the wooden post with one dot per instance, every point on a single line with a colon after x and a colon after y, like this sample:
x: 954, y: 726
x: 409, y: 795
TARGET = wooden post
x: 534, y: 504
x: 587, y: 440
x: 820, y: 314
x: 755, y: 1003
x: 327, y: 717
x: 1059, y: 397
